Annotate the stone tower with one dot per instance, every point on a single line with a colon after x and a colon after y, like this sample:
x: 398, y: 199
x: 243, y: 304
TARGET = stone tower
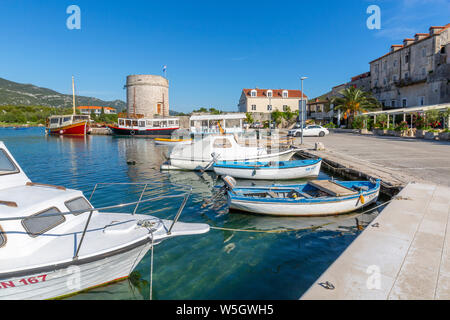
x: 147, y: 95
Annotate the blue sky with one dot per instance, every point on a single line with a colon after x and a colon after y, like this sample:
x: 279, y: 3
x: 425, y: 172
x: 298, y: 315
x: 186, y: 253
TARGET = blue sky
x: 212, y: 49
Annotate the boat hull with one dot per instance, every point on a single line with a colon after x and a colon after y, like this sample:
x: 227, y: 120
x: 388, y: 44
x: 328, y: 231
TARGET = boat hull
x: 74, y: 277
x: 199, y: 164
x: 271, y: 173
x: 143, y: 132
x: 300, y: 208
x: 81, y: 128
x: 172, y: 142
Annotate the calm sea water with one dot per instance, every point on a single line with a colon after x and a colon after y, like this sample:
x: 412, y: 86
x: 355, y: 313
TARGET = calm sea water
x: 216, y: 265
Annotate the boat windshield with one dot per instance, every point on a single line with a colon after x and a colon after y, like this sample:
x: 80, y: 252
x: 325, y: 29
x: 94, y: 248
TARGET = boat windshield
x: 6, y: 164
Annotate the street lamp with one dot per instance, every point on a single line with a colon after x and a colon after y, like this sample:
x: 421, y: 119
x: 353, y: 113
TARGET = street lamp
x: 302, y: 121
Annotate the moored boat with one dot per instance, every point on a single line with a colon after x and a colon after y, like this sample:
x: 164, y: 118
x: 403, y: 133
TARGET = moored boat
x: 54, y: 243
x: 72, y: 124
x: 68, y: 125
x: 172, y: 142
x: 145, y: 126
x: 315, y: 198
x: 275, y: 170
x: 202, y: 153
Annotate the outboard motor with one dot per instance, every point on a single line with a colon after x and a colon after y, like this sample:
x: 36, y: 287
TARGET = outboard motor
x: 230, y: 183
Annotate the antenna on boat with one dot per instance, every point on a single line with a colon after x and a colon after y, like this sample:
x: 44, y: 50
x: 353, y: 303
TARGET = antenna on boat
x: 73, y: 94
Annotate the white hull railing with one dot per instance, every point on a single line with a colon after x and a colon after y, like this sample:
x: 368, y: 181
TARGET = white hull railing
x: 184, y: 195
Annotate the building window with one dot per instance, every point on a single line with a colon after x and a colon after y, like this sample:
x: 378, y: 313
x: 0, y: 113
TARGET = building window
x: 421, y: 101
x: 395, y: 63
x: 253, y: 107
x: 384, y: 81
x: 407, y: 58
x: 253, y: 93
x: 424, y: 52
x: 406, y: 75
x: 393, y: 104
x: 269, y: 93
x: 269, y: 107
x: 285, y: 94
x: 285, y: 108
x: 424, y: 72
x: 376, y: 68
x: 394, y: 78
x: 404, y: 103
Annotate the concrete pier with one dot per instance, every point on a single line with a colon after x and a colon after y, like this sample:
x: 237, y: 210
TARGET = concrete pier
x: 405, y: 252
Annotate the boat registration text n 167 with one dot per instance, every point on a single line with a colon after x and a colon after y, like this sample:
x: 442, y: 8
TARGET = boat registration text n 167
x: 25, y: 281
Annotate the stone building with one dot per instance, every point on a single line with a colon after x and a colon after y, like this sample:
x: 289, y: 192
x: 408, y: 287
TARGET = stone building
x: 362, y: 82
x: 147, y: 95
x: 319, y: 110
x: 414, y: 73
x: 269, y: 100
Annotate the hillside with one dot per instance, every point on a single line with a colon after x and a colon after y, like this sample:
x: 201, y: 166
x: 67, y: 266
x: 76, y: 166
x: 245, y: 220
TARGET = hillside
x: 13, y: 93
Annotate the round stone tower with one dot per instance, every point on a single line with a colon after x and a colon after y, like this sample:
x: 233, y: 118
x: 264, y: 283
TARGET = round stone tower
x: 147, y: 95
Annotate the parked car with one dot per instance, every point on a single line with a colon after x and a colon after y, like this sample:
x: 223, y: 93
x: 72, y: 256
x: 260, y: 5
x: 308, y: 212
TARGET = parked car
x: 309, y: 131
x: 257, y: 125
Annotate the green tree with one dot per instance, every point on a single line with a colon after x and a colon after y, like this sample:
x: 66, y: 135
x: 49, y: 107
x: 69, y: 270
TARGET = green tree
x: 249, y: 118
x: 353, y: 102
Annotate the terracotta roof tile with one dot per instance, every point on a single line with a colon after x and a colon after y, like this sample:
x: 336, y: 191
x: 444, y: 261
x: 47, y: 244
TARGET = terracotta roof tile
x: 277, y: 93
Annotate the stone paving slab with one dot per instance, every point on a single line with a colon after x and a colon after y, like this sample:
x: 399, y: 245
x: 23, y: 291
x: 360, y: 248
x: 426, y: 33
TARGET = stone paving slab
x: 403, y: 254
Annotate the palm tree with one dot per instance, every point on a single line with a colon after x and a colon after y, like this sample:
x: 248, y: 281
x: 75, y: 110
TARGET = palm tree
x: 354, y: 101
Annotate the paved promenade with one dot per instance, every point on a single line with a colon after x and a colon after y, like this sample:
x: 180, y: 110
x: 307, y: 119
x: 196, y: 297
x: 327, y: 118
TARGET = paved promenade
x: 404, y: 160
x: 405, y: 252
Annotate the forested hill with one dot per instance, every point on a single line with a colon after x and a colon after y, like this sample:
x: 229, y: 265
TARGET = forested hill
x: 13, y: 93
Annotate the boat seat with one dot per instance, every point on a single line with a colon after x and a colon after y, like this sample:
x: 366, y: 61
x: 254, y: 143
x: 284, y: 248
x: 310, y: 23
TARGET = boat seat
x: 332, y: 188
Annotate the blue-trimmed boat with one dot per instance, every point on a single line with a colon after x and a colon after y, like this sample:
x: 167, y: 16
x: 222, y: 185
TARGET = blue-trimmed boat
x: 315, y: 198
x: 273, y: 170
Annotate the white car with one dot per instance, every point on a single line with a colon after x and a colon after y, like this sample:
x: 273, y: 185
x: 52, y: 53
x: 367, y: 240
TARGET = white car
x: 309, y: 131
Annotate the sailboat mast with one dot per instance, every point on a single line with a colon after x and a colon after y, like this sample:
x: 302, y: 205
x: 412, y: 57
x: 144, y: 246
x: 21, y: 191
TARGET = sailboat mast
x: 73, y: 94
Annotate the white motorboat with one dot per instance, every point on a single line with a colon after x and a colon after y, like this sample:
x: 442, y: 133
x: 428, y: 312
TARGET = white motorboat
x: 280, y: 170
x: 201, y: 154
x: 54, y: 243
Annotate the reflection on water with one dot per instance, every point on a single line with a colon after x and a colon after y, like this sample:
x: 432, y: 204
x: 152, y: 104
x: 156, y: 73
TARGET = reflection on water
x: 218, y: 265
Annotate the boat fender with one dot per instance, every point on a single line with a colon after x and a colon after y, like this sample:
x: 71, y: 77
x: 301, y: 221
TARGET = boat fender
x: 132, y: 132
x: 361, y: 198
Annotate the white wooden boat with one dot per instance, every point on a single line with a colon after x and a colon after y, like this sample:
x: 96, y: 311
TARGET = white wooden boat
x: 201, y: 154
x: 315, y: 198
x: 277, y: 170
x: 53, y: 243
x: 172, y: 142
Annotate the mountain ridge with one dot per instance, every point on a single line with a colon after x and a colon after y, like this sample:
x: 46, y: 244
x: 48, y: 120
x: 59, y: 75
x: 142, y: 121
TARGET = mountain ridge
x: 20, y: 94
